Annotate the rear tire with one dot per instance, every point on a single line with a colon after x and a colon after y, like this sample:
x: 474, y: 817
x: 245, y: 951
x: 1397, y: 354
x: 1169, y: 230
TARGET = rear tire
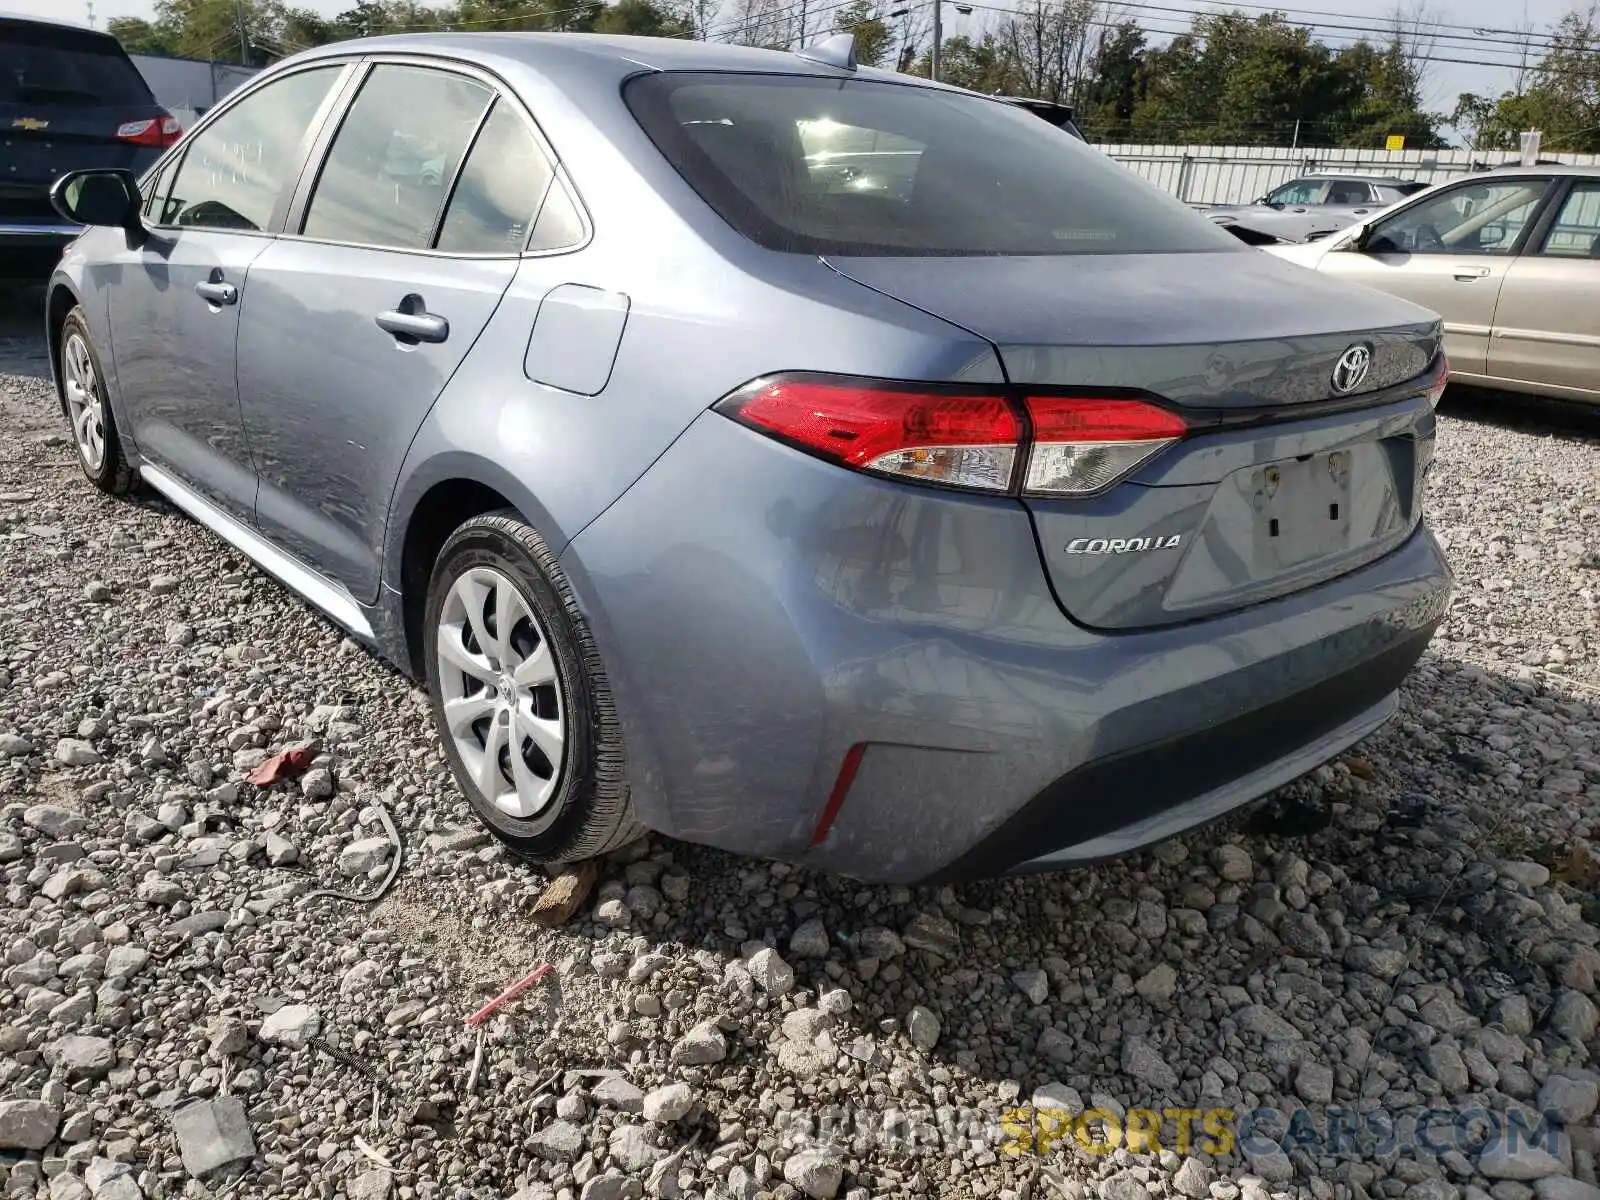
x: 513, y: 671
x: 94, y: 428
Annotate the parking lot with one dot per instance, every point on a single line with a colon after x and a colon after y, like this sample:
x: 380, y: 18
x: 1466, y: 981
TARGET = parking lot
x: 1412, y: 928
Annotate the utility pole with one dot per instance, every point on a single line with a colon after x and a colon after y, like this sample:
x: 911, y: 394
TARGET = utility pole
x: 91, y: 13
x: 803, y: 43
x: 244, y: 37
x: 938, y: 36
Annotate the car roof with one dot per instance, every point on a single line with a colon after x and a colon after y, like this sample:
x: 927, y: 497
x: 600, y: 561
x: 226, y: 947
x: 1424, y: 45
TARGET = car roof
x: 1356, y: 175
x: 1541, y: 169
x: 625, y: 55
x: 11, y: 18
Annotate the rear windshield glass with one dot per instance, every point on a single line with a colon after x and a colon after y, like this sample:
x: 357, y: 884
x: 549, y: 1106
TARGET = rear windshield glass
x: 42, y: 66
x: 848, y: 167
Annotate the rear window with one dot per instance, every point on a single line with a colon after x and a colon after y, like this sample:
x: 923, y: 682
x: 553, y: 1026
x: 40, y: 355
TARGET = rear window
x: 49, y: 67
x: 852, y: 167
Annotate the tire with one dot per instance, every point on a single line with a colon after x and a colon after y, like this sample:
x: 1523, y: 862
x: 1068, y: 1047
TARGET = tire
x: 555, y: 812
x: 88, y: 410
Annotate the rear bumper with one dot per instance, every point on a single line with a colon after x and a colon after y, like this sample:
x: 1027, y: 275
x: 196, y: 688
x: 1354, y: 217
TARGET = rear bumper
x: 760, y: 613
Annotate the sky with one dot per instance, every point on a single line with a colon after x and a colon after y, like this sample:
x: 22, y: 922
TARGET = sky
x: 1481, y: 30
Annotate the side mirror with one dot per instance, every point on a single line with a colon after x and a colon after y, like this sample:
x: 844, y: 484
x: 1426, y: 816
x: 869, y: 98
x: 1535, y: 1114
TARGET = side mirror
x: 106, y: 197
x: 1355, y: 238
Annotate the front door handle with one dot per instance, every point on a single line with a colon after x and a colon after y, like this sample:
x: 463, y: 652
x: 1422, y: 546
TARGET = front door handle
x: 214, y: 291
x: 1468, y: 274
x: 412, y: 322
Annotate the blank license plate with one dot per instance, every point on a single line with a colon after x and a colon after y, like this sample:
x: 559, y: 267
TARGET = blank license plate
x: 1302, y: 509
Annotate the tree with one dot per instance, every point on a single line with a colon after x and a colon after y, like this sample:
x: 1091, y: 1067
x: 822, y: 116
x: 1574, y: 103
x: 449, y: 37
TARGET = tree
x: 1562, y: 99
x: 139, y: 36
x: 863, y: 19
x: 981, y: 66
x: 1045, y: 45
x: 1107, y: 102
x: 643, y: 18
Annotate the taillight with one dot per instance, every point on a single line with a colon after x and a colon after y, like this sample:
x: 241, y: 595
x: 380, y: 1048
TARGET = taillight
x: 1084, y: 444
x: 957, y: 439
x: 1441, y: 377
x: 964, y: 438
x: 159, y: 132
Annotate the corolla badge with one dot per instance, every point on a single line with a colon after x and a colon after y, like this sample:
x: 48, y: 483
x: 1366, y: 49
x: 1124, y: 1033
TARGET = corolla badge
x: 1350, y: 372
x: 1122, y: 545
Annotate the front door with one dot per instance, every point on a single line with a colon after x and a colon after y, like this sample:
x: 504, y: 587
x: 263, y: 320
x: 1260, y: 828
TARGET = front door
x: 1449, y: 252
x: 1547, y: 328
x: 174, y: 301
x: 356, y: 325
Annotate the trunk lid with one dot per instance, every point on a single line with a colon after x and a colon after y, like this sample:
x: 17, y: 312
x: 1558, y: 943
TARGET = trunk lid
x: 1285, y: 481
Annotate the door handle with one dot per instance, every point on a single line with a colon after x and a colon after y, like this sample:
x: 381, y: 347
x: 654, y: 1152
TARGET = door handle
x: 409, y: 328
x: 214, y: 291
x: 1468, y: 274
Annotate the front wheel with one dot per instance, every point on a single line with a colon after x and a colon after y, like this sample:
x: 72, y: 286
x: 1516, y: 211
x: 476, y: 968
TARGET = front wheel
x: 94, y: 430
x: 520, y: 698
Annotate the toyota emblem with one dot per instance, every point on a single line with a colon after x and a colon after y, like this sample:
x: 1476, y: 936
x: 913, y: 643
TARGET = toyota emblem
x: 1350, y: 372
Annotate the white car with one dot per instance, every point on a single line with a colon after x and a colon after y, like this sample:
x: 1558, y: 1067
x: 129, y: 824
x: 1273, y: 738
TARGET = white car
x: 1509, y: 258
x: 1315, y: 206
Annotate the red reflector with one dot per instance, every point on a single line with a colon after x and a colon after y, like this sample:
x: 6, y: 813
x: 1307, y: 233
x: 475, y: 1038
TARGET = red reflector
x: 1091, y: 419
x: 841, y: 788
x: 1437, y: 385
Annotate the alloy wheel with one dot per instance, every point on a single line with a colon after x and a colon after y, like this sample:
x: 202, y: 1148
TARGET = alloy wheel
x: 500, y: 693
x: 85, y: 404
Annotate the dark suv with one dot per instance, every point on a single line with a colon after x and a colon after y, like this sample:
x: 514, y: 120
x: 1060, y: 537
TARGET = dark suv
x: 69, y: 98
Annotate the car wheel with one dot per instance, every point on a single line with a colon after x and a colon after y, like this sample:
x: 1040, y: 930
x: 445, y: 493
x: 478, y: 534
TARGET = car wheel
x: 520, y: 697
x: 94, y: 430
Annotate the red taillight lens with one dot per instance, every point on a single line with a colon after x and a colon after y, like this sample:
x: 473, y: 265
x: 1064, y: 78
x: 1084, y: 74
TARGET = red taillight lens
x: 1437, y: 384
x: 955, y: 439
x: 160, y: 132
x: 1084, y: 444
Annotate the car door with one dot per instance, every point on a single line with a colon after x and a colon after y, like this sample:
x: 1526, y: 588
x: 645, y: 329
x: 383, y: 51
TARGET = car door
x: 359, y: 317
x: 1547, y: 325
x: 1294, y: 209
x: 1449, y: 252
x: 174, y: 299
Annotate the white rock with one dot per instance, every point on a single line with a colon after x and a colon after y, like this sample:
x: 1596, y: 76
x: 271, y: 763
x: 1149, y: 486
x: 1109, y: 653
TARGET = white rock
x: 74, y: 752
x: 703, y: 1044
x: 212, y: 1134
x: 922, y: 1027
x: 816, y: 1171
x: 28, y: 1124
x: 1142, y: 1061
x: 772, y: 975
x: 360, y: 857
x: 1573, y: 1100
x: 291, y: 1027
x: 1033, y: 984
x: 668, y: 1103
x: 809, y: 940
x: 1515, y: 1158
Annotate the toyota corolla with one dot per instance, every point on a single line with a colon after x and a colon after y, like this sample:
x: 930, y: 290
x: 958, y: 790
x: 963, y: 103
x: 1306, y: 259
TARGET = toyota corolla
x: 1006, y: 518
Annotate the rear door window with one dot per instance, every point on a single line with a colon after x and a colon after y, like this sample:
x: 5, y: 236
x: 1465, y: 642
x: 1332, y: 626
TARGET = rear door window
x: 500, y: 189
x: 43, y: 66
x: 1470, y: 218
x: 1576, y: 231
x: 856, y: 167
x: 1301, y: 191
x: 395, y: 157
x: 235, y: 169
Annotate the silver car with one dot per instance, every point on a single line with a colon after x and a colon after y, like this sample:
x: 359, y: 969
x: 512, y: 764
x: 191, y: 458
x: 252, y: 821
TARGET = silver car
x: 1314, y: 206
x: 1006, y: 518
x: 1510, y: 259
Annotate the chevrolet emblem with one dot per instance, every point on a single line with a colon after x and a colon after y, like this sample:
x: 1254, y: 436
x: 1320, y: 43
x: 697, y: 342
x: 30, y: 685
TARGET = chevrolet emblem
x: 33, y: 124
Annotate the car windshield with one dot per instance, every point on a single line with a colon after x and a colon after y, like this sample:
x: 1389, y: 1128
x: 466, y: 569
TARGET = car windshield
x: 853, y: 167
x: 46, y: 66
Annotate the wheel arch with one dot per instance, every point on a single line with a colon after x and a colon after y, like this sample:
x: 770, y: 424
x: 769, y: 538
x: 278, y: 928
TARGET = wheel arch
x: 60, y: 299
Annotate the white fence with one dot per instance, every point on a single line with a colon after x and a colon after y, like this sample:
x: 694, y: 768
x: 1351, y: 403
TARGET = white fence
x: 1239, y: 174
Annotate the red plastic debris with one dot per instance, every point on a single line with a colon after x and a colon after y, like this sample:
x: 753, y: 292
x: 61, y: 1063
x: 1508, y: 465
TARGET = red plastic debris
x: 511, y: 993
x: 286, y: 764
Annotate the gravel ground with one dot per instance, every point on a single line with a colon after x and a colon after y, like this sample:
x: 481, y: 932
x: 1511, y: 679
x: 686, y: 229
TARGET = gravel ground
x: 1412, y: 928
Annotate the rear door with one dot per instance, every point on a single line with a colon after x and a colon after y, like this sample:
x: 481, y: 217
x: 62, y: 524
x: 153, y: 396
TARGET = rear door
x: 1547, y: 325
x: 403, y: 243
x: 174, y: 299
x: 69, y: 99
x: 1449, y: 252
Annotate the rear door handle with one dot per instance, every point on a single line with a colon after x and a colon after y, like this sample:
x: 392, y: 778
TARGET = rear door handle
x: 214, y: 291
x: 412, y: 323
x: 1468, y: 274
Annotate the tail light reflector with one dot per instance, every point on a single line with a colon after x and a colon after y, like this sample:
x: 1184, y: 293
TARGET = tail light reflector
x: 956, y: 439
x: 1084, y: 444
x: 159, y: 132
